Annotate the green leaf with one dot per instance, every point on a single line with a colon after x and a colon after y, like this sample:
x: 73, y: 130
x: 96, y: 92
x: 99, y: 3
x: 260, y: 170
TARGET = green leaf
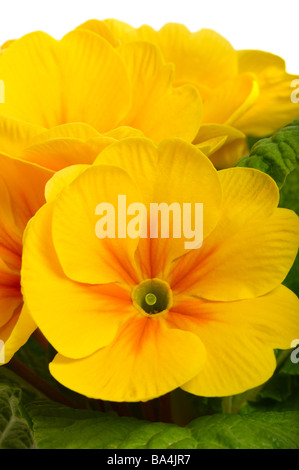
x: 15, y: 432
x: 290, y: 200
x: 255, y: 431
x: 251, y: 141
x: 37, y: 359
x: 280, y: 393
x: 278, y: 388
x: 58, y: 427
x: 33, y: 356
x: 277, y: 155
x: 290, y: 367
x: 289, y: 192
x: 292, y: 279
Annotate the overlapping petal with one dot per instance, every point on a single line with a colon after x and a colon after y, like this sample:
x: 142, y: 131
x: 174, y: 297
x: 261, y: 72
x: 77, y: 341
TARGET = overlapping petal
x: 249, y: 90
x: 16, y: 135
x: 83, y: 255
x: 251, y: 228
x: 16, y: 331
x: 22, y: 193
x: 84, y: 78
x: 146, y: 360
x: 156, y: 105
x: 78, y: 79
x: 57, y: 303
x: 204, y: 58
x: 274, y: 108
x: 239, y: 338
x: 173, y: 172
x: 227, y: 308
x: 223, y: 144
x: 35, y: 153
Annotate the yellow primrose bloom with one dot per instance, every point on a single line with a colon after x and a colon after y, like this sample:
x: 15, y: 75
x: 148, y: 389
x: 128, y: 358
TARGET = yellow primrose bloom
x: 245, y: 91
x: 59, y: 146
x: 83, y: 78
x: 134, y: 317
x: 29, y: 156
x: 22, y: 194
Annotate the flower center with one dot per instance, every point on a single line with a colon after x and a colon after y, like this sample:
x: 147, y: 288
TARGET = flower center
x: 152, y: 296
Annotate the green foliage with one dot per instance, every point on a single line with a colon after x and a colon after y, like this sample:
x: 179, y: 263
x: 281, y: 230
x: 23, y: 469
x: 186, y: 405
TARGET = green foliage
x: 277, y: 155
x: 289, y: 198
x: 255, y: 431
x: 263, y: 418
x: 58, y: 427
x: 15, y: 432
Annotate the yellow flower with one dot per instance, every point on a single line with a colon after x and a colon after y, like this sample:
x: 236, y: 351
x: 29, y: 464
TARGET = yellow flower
x: 82, y: 78
x: 244, y: 92
x: 133, y: 318
x: 29, y: 156
x: 22, y: 194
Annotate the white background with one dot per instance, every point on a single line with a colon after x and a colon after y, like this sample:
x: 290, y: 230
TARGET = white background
x: 270, y: 25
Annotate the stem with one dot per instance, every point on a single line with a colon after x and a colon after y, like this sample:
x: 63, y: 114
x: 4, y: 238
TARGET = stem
x: 20, y: 369
x: 148, y: 411
x: 40, y: 339
x: 280, y: 360
x: 164, y: 404
x: 100, y: 405
x: 227, y: 405
x: 184, y: 407
x: 121, y: 408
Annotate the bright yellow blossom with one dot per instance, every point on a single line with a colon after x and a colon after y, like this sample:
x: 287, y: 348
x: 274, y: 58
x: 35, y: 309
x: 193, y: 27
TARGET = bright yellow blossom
x: 245, y: 92
x: 22, y: 194
x: 29, y: 156
x: 134, y: 318
x: 82, y: 78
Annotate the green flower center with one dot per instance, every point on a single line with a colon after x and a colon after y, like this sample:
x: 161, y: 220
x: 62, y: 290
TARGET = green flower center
x: 152, y: 296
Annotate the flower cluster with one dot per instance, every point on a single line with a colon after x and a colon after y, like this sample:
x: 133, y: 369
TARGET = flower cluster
x: 161, y: 117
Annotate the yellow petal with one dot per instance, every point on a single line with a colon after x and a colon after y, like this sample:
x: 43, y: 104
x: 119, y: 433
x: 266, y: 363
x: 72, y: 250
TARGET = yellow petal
x: 209, y: 146
x: 274, y: 108
x: 74, y: 130
x: 122, y: 31
x: 6, y: 45
x: 10, y: 293
x: 230, y: 100
x: 230, y: 152
x: 78, y: 79
x: 58, y: 153
x: 61, y: 179
x: 16, y: 135
x: 22, y: 194
x: 173, y: 172
x: 32, y: 80
x: 157, y: 109
x: 252, y: 248
x: 102, y: 29
x: 96, y: 85
x: 226, y: 145
x: 83, y: 256
x: 145, y: 360
x: 77, y: 319
x: 17, y: 332
x: 10, y: 297
x: 123, y: 132
x: 203, y: 59
x: 239, y: 338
